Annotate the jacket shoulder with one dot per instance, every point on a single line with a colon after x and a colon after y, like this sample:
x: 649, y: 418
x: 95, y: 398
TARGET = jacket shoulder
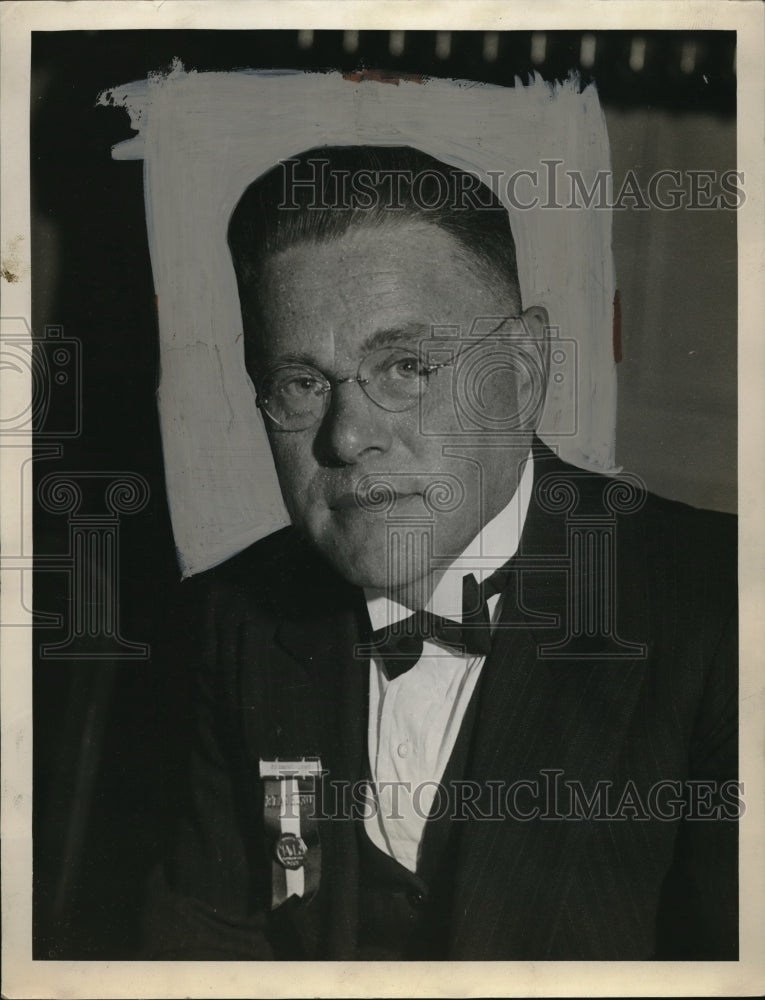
x: 657, y: 537
x: 274, y: 576
x: 704, y: 537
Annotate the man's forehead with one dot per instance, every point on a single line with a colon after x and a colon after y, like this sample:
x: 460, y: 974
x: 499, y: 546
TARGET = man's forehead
x: 398, y: 253
x: 367, y: 290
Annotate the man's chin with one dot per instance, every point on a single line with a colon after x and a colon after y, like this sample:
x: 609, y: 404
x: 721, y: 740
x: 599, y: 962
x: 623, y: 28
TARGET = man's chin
x: 371, y: 569
x: 362, y: 572
x: 368, y: 553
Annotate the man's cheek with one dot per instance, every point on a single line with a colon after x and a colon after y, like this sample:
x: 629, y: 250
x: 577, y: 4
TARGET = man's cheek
x: 437, y: 417
x: 291, y: 460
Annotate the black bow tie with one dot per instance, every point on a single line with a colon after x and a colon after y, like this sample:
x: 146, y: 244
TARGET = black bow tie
x: 399, y: 645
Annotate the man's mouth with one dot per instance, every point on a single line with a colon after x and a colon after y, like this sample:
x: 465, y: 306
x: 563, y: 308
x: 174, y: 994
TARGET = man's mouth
x: 373, y: 500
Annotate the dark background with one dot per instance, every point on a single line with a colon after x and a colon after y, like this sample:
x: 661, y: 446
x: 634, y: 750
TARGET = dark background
x: 111, y: 735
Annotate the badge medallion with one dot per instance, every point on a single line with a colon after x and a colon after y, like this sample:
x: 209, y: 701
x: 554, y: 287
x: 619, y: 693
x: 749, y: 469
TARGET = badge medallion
x: 290, y: 851
x: 289, y: 816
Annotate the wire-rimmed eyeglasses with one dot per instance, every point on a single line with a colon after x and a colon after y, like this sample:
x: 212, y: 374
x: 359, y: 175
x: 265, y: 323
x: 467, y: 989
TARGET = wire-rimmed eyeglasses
x: 296, y: 396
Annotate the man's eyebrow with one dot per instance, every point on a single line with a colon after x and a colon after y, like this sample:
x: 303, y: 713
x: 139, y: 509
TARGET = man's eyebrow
x: 410, y: 333
x: 292, y: 359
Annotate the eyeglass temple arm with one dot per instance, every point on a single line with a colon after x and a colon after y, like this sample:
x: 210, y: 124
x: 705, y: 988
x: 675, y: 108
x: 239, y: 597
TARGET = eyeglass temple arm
x: 475, y: 343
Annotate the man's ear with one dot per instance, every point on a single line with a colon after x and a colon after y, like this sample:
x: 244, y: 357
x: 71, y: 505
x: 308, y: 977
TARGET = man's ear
x: 537, y: 322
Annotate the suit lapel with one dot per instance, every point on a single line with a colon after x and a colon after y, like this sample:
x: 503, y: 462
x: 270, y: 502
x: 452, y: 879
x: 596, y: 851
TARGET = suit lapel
x: 315, y: 694
x: 539, y: 721
x: 322, y: 648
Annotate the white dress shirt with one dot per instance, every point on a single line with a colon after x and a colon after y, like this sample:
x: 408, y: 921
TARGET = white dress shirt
x: 414, y: 719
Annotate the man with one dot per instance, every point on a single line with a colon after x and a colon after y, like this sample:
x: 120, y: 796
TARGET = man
x: 474, y: 703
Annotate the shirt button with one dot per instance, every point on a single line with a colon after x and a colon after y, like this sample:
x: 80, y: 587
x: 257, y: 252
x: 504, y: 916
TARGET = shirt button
x: 416, y: 898
x: 403, y: 749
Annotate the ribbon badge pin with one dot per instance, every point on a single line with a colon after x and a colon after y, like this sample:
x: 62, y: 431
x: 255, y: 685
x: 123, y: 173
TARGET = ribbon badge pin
x: 289, y: 813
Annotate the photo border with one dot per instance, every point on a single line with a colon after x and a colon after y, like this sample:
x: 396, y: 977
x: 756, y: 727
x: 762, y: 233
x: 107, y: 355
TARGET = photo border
x: 25, y: 977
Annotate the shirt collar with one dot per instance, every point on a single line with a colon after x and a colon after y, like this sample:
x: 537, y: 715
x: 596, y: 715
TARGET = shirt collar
x: 493, y: 546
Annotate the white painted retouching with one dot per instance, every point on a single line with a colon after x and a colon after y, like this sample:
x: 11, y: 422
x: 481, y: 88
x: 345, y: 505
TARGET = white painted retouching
x: 204, y: 137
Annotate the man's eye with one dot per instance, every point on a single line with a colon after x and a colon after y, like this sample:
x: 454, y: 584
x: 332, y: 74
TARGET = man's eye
x: 407, y: 368
x: 300, y: 385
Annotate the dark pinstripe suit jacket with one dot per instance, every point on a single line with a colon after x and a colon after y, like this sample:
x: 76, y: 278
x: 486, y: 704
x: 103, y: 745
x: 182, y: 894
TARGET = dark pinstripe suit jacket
x: 650, y: 697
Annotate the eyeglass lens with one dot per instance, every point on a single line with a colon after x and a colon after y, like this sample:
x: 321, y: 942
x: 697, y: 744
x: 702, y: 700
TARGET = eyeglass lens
x: 297, y: 396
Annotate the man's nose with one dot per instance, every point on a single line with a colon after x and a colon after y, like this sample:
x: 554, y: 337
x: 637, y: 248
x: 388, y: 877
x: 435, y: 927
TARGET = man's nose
x: 353, y: 427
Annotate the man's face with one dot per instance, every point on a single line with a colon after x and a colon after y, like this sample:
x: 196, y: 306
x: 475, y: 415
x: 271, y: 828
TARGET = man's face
x: 329, y: 305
